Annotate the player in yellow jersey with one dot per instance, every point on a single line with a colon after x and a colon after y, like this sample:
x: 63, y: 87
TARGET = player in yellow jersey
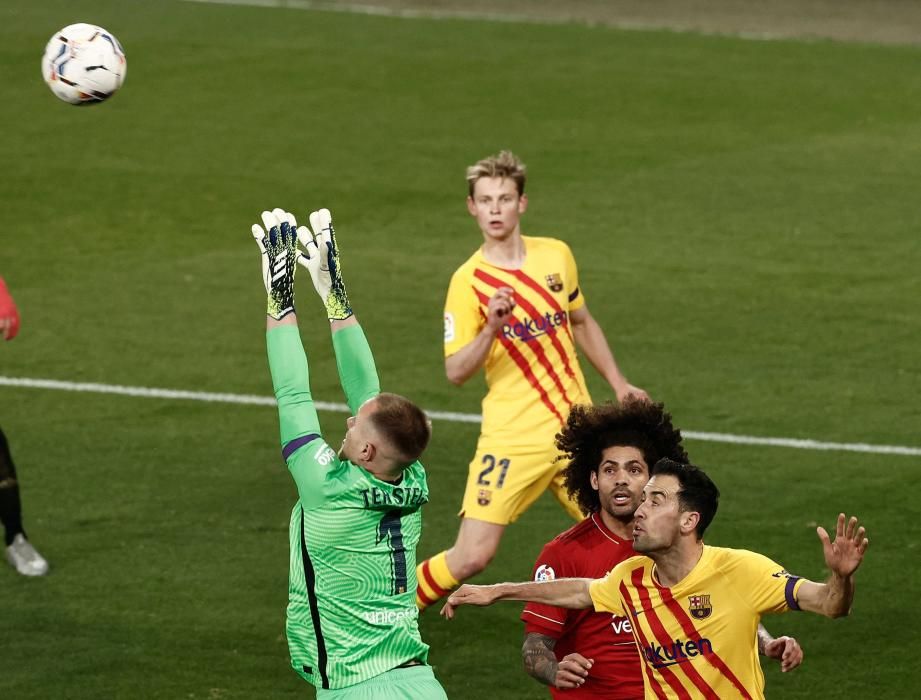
x: 694, y: 609
x: 515, y: 308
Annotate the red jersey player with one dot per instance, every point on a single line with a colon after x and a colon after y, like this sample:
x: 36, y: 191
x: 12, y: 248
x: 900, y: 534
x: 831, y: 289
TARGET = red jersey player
x: 583, y: 653
x: 589, y: 549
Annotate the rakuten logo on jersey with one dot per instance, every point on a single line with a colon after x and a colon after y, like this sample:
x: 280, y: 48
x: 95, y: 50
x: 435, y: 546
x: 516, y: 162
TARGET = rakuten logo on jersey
x: 535, y: 327
x: 680, y: 652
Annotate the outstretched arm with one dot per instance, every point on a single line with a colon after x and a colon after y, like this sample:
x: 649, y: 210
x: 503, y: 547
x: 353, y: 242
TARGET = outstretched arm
x: 591, y: 340
x: 843, y: 556
x: 299, y: 424
x: 297, y: 414
x: 357, y: 371
x: 563, y: 592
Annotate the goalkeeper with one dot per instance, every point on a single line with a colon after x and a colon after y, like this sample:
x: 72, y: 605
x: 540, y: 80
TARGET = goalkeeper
x: 352, y: 622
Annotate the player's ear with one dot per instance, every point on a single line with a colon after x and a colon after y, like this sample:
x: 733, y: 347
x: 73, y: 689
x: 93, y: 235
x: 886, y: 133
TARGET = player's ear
x: 471, y: 206
x: 368, y: 451
x: 593, y: 479
x: 522, y: 204
x: 689, y: 521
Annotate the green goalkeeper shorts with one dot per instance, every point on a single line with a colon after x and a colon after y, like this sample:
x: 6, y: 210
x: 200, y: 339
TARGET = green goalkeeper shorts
x: 412, y: 683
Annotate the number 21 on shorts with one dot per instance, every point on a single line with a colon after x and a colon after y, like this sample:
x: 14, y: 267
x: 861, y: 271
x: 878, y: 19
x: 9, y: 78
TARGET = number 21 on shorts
x: 491, y: 463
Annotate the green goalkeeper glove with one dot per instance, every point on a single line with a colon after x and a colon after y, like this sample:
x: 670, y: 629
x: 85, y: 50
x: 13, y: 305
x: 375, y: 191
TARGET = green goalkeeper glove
x: 278, y: 245
x: 321, y: 258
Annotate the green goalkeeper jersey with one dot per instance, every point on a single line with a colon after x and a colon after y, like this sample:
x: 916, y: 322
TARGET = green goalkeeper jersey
x: 352, y: 583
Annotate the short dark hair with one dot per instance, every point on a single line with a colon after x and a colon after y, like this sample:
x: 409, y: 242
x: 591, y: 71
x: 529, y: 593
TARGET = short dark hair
x: 591, y: 429
x: 403, y: 424
x: 698, y: 492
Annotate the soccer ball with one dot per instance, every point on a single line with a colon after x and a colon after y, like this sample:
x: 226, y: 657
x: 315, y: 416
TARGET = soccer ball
x: 84, y: 64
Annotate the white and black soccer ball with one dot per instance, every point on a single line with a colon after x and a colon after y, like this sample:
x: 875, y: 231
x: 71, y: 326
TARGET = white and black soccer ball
x: 84, y: 64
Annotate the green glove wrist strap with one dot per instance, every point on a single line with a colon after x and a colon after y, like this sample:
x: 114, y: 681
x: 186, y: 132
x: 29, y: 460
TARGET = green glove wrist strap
x: 338, y: 307
x: 280, y: 305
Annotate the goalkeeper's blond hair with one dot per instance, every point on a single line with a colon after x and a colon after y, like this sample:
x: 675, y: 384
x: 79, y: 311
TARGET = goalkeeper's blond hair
x: 504, y: 165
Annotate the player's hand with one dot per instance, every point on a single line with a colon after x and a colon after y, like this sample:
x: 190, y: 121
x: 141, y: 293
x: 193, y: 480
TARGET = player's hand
x: 9, y: 315
x: 321, y: 258
x: 278, y: 245
x: 844, y: 555
x: 469, y: 595
x: 499, y: 306
x: 787, y: 650
x: 627, y: 390
x: 572, y: 671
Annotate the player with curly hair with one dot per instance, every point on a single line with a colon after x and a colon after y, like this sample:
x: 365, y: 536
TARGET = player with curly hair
x: 609, y: 450
x: 694, y: 609
x: 591, y: 430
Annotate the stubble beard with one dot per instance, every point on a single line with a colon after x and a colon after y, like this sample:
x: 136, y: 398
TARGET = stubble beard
x: 623, y: 513
x: 638, y: 546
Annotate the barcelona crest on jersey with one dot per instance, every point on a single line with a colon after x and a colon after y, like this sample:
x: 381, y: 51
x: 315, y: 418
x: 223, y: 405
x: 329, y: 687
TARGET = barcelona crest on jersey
x: 699, y: 606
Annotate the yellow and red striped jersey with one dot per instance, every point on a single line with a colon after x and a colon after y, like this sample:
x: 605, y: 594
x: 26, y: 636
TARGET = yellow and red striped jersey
x: 532, y: 370
x: 697, y: 639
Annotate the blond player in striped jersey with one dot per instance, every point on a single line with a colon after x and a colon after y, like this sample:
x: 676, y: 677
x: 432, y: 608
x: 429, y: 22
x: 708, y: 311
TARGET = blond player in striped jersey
x: 514, y: 308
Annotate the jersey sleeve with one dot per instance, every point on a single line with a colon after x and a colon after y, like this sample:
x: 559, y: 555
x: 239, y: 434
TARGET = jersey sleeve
x: 573, y: 291
x: 768, y: 587
x: 462, y: 316
x: 318, y: 473
x: 605, y: 591
x: 357, y: 371
x: 308, y: 457
x: 291, y: 381
x: 538, y: 618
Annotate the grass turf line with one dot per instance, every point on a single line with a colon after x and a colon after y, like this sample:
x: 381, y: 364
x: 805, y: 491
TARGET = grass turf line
x: 742, y: 214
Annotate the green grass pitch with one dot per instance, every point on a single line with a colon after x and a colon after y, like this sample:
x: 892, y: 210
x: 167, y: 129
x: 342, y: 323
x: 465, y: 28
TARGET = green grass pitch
x: 744, y: 216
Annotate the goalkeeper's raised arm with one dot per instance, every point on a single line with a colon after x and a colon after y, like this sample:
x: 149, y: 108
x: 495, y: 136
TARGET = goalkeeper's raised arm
x: 354, y: 530
x: 298, y: 419
x: 398, y: 430
x: 357, y: 371
x: 287, y: 360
